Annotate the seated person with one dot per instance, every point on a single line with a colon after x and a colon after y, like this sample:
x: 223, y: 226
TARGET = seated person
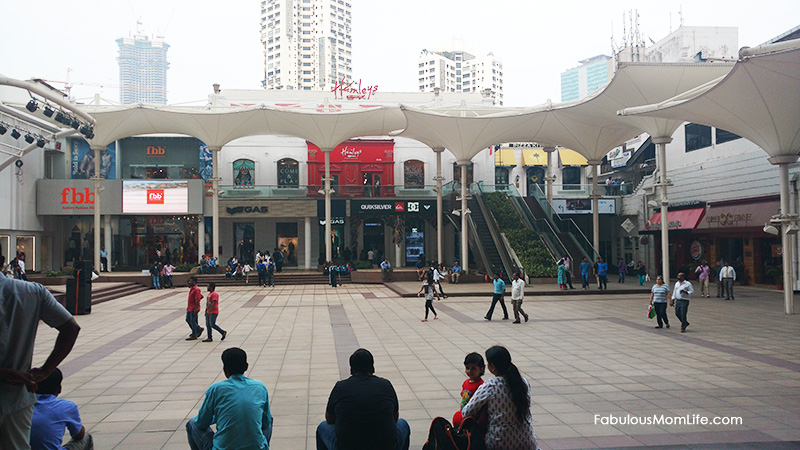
x: 363, y: 412
x: 239, y: 406
x: 239, y: 274
x: 52, y: 414
x: 228, y: 272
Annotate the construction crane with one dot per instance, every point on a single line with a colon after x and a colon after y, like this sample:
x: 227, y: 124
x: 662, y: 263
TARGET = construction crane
x: 69, y: 84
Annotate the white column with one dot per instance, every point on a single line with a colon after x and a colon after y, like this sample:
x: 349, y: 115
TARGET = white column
x: 107, y: 239
x: 786, y: 240
x: 215, y: 231
x: 327, y: 188
x: 439, y: 178
x: 97, y: 189
x: 661, y: 155
x: 201, y: 236
x: 549, y: 178
x: 464, y: 211
x: 307, y: 242
x: 398, y: 253
x: 595, y: 209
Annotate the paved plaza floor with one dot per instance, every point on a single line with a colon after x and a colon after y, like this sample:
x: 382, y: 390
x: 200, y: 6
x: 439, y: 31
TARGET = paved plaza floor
x: 587, y: 357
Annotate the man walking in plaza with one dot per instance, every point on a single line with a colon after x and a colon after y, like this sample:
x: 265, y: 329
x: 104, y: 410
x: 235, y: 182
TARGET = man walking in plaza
x: 363, y: 411
x: 499, y: 291
x: 193, y: 309
x: 238, y: 405
x: 727, y: 275
x: 680, y: 300
x: 22, y: 306
x: 517, y: 294
x: 704, y: 273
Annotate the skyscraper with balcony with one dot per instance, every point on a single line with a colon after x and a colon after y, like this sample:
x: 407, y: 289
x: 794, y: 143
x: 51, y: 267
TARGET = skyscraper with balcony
x: 461, y: 71
x: 142, y: 70
x: 308, y: 44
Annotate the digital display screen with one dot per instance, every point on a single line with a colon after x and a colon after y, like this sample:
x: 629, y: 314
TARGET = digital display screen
x: 155, y: 197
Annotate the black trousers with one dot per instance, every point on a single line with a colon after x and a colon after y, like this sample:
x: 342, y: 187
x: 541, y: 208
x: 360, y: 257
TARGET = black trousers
x: 661, y: 313
x: 429, y: 306
x: 569, y: 279
x: 497, y: 298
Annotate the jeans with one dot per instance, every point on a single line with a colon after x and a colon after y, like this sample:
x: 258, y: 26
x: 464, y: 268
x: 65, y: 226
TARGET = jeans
x: 621, y: 277
x: 569, y: 279
x: 85, y: 443
x: 211, y: 322
x: 15, y: 429
x: 584, y: 280
x: 326, y: 436
x: 641, y: 279
x: 191, y: 319
x: 602, y: 282
x: 497, y: 298
x: 199, y: 439
x: 661, y: 313
x: 681, y: 309
x: 156, y: 281
x: 516, y: 305
x: 168, y: 278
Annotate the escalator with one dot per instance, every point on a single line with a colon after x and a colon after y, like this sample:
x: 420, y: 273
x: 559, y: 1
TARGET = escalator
x: 485, y: 244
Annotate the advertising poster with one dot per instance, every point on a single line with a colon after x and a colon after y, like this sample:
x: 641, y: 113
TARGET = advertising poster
x: 82, y: 161
x: 244, y: 174
x: 155, y: 197
x: 583, y: 206
x: 206, y: 159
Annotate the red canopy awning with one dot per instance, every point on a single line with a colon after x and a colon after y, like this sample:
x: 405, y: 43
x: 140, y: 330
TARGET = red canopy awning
x: 682, y: 219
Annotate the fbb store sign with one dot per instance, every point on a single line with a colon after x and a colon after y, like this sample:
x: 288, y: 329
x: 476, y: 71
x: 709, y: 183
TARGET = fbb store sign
x: 73, y: 198
x: 155, y: 196
x: 156, y: 152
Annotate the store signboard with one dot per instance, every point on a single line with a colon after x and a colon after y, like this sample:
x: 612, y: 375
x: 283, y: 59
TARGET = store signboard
x: 584, y: 206
x: 155, y: 197
x: 76, y: 197
x: 408, y: 208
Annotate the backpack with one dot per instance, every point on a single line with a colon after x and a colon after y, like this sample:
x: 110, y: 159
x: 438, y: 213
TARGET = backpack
x: 442, y: 436
x: 271, y: 267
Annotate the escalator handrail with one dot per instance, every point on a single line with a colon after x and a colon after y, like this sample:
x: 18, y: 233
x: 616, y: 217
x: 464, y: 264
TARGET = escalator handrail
x: 494, y: 231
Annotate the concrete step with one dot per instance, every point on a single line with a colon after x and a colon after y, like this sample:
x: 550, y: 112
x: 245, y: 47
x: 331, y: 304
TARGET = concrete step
x: 102, y: 294
x: 283, y: 279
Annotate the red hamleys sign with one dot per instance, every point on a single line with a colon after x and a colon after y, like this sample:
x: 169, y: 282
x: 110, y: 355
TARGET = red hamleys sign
x: 351, y: 91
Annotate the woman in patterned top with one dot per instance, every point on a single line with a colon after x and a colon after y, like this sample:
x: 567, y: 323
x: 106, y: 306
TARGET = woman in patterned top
x: 507, y: 398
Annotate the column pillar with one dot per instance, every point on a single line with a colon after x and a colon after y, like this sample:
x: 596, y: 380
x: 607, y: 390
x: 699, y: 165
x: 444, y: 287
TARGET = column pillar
x: 661, y: 155
x: 439, y: 178
x: 327, y: 188
x: 464, y: 211
x: 786, y: 219
x: 307, y: 242
x: 201, y: 237
x: 215, y: 231
x: 107, y: 239
x: 97, y: 189
x: 595, y: 209
x: 548, y: 177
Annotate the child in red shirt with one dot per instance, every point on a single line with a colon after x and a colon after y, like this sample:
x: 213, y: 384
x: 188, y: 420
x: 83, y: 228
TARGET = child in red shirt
x: 212, y: 311
x: 474, y: 367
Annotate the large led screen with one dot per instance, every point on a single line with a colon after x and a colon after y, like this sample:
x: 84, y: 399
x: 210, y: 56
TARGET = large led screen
x: 155, y: 197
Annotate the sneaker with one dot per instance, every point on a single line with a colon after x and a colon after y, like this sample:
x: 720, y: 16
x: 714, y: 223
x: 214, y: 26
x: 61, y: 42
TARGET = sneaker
x: 487, y: 317
x: 208, y: 340
x: 435, y: 318
x: 224, y: 335
x: 516, y: 321
x: 526, y: 318
x: 667, y: 325
x: 424, y: 320
x: 201, y: 331
x: 505, y: 318
x: 191, y: 338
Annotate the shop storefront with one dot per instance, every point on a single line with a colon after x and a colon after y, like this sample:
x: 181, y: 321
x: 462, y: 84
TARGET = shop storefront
x: 171, y: 158
x: 397, y: 230
x: 359, y: 168
x: 682, y: 220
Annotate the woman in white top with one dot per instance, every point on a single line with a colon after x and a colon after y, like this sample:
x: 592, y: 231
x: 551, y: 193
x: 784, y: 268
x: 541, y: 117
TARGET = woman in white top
x: 507, y: 399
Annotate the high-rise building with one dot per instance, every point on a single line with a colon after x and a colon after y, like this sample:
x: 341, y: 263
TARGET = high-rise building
x: 142, y: 70
x: 308, y: 44
x: 581, y: 81
x: 459, y: 71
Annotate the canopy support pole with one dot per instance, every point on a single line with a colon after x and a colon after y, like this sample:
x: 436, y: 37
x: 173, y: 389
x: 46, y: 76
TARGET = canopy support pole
x: 548, y: 177
x: 97, y: 189
x: 661, y: 154
x: 595, y: 210
x: 107, y: 241
x: 215, y: 231
x: 786, y: 219
x: 439, y: 178
x: 328, y: 237
x: 201, y: 237
x: 464, y: 212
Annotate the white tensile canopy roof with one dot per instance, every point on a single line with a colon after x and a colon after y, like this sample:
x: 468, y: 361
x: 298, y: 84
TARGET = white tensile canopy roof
x: 757, y: 100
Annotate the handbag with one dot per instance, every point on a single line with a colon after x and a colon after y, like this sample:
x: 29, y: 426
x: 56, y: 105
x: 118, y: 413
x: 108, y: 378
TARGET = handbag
x: 646, y: 277
x: 651, y: 312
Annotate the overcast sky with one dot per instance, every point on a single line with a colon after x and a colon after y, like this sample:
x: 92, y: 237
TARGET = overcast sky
x: 218, y: 42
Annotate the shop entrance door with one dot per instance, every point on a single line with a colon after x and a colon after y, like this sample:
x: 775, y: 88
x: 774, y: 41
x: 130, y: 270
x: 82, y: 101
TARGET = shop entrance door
x: 287, y: 242
x: 374, y: 238
x: 244, y: 241
x: 372, y: 184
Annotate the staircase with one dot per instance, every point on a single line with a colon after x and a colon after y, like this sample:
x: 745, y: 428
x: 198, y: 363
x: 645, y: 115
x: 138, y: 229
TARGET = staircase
x: 486, y: 244
x: 291, y: 278
x: 102, y: 293
x: 570, y: 237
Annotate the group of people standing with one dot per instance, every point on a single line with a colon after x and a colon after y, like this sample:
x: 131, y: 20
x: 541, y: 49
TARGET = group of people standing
x: 16, y: 268
x: 161, y: 275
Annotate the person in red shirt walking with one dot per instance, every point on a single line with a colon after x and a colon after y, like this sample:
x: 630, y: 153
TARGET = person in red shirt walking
x: 193, y: 309
x: 212, y: 311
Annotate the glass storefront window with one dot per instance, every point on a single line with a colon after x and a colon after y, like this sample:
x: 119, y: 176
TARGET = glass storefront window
x: 571, y: 178
x: 244, y: 241
x: 287, y: 242
x: 415, y: 240
x: 244, y: 174
x: 4, y: 249
x: 141, y: 236
x: 500, y: 176
x: 27, y: 245
x: 288, y: 173
x: 414, y: 174
x: 534, y: 175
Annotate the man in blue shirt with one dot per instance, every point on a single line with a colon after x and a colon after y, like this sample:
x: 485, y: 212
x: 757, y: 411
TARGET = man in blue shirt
x: 386, y: 270
x: 602, y: 273
x: 456, y: 272
x: 239, y: 406
x: 52, y: 414
x: 499, y: 290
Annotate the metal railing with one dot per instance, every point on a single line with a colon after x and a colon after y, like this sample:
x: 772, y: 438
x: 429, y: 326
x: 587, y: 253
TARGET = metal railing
x: 563, y: 225
x: 587, y: 190
x: 260, y: 192
x: 501, y: 244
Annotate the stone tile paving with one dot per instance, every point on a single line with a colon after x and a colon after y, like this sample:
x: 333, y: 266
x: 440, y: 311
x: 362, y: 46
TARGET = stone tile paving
x: 136, y: 380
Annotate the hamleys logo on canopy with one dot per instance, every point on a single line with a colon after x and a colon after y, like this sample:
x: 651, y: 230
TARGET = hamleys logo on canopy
x: 350, y: 91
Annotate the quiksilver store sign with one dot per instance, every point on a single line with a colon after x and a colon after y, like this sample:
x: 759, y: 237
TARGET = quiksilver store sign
x: 393, y: 207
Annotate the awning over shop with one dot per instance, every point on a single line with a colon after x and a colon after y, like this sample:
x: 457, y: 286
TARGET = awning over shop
x: 682, y: 219
x: 571, y: 158
x: 741, y: 215
x: 534, y: 157
x: 505, y: 157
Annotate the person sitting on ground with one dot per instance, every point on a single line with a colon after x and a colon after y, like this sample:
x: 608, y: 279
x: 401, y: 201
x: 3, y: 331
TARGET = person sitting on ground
x: 386, y: 270
x: 420, y: 266
x: 238, y: 405
x: 52, y: 414
x: 228, y: 272
x: 363, y: 411
x: 238, y: 273
x: 456, y: 272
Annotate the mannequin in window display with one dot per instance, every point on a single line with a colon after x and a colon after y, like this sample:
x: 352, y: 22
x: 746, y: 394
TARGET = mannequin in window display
x: 335, y: 242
